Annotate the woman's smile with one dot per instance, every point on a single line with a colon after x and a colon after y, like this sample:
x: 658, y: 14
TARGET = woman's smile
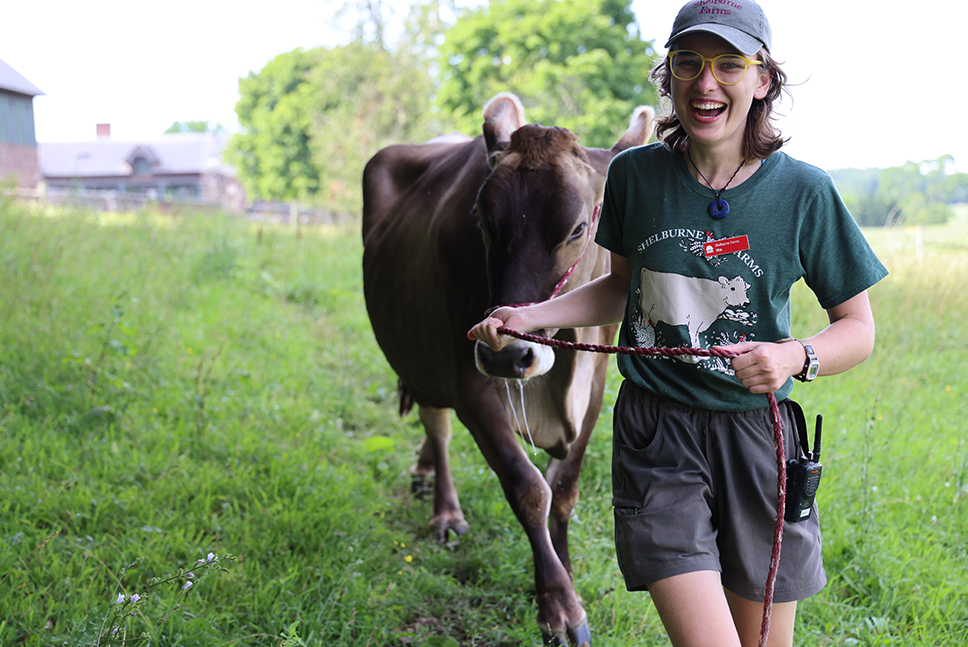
x: 706, y: 110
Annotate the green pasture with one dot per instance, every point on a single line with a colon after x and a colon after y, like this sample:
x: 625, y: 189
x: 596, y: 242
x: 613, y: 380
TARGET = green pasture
x: 188, y: 394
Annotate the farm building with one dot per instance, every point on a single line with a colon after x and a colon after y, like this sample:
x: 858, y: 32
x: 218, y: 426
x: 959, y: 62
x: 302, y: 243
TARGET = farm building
x: 179, y: 168
x: 18, y: 143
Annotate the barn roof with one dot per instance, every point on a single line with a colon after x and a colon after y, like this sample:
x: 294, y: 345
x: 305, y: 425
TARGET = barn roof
x: 182, y: 153
x: 11, y: 80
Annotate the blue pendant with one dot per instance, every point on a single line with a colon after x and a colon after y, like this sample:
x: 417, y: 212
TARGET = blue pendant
x: 718, y: 209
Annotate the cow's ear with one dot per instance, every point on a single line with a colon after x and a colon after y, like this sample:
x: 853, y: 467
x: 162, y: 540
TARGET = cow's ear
x: 639, y: 130
x: 502, y: 116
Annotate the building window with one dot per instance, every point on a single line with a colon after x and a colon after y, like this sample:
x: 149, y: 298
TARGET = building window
x: 141, y: 166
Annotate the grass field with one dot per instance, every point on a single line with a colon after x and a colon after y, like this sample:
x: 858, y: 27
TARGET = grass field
x: 188, y: 395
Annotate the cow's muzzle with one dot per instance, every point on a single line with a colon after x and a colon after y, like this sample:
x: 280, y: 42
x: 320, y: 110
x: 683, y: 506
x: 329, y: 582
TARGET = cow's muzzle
x: 519, y: 360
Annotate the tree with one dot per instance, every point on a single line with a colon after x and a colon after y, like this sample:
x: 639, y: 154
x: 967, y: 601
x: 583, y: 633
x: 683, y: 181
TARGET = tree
x: 582, y: 66
x: 311, y: 119
x: 194, y: 127
x: 271, y: 152
x: 366, y: 98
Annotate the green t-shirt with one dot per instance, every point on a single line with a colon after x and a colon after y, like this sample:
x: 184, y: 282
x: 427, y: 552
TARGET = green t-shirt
x: 700, y: 282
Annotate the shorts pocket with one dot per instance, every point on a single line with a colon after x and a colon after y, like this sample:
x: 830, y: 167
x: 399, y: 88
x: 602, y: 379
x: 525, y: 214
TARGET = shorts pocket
x: 636, y: 433
x: 635, y: 423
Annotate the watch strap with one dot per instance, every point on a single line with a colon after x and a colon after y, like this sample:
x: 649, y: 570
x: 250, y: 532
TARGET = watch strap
x: 811, y: 366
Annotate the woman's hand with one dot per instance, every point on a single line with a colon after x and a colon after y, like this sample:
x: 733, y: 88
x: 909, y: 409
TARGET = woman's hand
x: 764, y: 367
x: 845, y: 343
x: 486, y: 330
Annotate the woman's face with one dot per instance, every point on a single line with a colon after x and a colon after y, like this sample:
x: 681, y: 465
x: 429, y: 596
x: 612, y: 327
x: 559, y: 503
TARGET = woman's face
x: 712, y: 114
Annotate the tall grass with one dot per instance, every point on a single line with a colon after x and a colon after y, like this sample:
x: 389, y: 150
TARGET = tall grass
x: 177, y: 386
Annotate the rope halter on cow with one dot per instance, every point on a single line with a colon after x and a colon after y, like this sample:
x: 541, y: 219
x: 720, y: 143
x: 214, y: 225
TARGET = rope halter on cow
x: 777, y: 437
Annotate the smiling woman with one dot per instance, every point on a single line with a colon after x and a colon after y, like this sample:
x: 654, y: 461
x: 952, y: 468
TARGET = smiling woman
x: 701, y: 544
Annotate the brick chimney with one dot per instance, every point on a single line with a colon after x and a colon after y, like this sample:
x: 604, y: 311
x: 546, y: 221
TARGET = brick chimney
x: 104, y: 131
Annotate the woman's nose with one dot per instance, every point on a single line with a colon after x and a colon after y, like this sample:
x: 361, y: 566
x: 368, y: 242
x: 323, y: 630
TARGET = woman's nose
x: 706, y: 81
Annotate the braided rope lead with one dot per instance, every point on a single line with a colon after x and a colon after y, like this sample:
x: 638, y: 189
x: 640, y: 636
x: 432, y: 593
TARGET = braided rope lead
x: 777, y: 440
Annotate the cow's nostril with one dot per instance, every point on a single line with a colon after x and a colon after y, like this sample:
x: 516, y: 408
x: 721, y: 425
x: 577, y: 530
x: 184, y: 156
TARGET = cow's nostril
x: 525, y: 362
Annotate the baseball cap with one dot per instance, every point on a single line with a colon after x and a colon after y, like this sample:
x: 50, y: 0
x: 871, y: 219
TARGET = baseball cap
x: 741, y: 23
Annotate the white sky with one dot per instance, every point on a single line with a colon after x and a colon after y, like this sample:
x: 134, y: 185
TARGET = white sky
x: 875, y: 74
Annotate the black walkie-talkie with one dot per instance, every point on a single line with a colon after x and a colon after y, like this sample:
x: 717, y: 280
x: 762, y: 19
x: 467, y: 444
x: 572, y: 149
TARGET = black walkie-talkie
x: 803, y: 477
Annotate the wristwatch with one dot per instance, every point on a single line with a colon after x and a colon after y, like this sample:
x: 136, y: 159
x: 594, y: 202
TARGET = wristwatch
x: 811, y: 366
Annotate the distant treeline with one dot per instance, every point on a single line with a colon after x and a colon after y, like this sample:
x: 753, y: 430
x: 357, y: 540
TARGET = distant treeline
x: 913, y: 194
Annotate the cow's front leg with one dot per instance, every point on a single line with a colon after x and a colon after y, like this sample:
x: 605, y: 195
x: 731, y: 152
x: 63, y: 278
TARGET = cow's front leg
x: 562, y: 476
x: 434, y: 459
x: 561, y: 616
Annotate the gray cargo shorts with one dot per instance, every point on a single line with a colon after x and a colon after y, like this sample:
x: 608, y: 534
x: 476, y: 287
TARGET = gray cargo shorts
x: 695, y: 490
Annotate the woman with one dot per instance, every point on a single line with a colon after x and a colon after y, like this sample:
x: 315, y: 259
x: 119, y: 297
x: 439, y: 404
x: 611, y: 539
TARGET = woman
x: 709, y: 229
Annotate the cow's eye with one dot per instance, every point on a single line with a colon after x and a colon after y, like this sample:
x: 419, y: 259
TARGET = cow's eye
x: 577, y: 233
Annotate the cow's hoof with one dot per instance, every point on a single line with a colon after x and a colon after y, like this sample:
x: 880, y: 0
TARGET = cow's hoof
x: 580, y: 636
x: 440, y: 528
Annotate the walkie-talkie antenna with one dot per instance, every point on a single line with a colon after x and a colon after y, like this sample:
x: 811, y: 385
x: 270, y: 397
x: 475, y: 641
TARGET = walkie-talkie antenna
x: 816, y: 439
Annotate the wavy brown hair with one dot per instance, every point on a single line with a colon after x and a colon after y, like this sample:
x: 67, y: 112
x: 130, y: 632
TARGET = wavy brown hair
x: 762, y: 138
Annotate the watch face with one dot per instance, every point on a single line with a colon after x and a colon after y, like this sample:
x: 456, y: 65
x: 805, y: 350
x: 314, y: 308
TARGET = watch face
x: 813, y: 370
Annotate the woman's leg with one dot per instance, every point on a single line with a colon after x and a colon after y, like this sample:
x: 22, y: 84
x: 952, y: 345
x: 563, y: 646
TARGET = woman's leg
x: 697, y: 612
x: 694, y: 610
x: 748, y: 618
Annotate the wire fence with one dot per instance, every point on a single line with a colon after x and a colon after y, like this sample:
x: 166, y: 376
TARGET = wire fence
x: 281, y: 213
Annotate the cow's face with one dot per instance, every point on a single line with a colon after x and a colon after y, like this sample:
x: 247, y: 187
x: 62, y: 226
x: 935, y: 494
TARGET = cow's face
x: 536, y: 211
x: 734, y: 290
x: 536, y: 214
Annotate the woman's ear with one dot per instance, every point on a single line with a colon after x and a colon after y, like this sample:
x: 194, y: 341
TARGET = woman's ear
x: 763, y: 87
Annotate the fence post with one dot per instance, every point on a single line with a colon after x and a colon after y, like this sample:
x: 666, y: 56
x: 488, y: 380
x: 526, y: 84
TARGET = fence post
x: 294, y: 216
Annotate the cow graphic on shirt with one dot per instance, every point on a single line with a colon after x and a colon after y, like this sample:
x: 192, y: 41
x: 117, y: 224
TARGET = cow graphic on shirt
x: 696, y: 303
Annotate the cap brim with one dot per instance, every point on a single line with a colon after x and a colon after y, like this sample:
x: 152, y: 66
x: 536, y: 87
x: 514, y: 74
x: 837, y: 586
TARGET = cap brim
x: 746, y: 44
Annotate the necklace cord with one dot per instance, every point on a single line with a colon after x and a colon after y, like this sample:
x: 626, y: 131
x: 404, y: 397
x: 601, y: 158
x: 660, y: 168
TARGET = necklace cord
x: 708, y: 183
x: 777, y: 438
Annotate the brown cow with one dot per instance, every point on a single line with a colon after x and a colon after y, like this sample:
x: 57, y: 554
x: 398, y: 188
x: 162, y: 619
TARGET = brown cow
x: 452, y: 228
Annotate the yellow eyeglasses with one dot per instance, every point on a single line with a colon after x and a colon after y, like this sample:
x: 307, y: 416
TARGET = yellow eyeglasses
x: 728, y: 69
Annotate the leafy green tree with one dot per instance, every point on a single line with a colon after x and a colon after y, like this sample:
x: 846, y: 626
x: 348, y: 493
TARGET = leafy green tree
x: 583, y: 66
x: 194, y: 127
x: 272, y: 151
x: 365, y: 98
x: 311, y: 119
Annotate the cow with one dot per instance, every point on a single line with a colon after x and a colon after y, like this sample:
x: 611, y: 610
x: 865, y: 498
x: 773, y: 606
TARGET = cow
x: 677, y: 300
x: 451, y: 229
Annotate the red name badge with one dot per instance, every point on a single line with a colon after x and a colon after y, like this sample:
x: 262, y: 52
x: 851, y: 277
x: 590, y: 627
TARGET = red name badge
x: 726, y: 246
